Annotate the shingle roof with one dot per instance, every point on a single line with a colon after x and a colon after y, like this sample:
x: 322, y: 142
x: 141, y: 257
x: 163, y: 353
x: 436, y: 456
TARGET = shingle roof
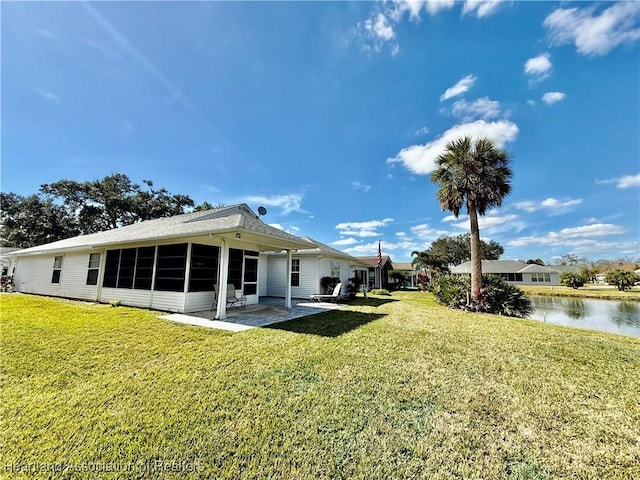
x: 503, y: 266
x: 319, y: 248
x: 404, y: 266
x: 236, y: 218
x: 373, y: 261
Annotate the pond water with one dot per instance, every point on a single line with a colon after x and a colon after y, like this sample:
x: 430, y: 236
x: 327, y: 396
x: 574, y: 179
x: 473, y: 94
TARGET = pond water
x: 604, y: 315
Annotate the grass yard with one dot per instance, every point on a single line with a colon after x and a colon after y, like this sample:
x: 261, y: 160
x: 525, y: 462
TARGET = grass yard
x: 603, y: 292
x: 392, y: 388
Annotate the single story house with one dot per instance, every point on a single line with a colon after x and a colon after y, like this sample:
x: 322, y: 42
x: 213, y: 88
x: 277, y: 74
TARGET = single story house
x: 172, y: 264
x: 409, y: 270
x: 377, y: 278
x: 309, y: 266
x: 513, y: 271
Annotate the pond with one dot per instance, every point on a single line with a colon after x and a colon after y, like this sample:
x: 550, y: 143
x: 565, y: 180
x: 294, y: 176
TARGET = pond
x: 611, y: 316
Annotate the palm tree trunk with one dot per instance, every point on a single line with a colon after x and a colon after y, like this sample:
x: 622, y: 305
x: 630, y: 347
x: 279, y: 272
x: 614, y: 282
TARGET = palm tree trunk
x: 476, y: 260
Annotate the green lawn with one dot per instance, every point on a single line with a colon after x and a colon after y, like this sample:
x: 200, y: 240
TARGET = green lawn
x: 395, y: 387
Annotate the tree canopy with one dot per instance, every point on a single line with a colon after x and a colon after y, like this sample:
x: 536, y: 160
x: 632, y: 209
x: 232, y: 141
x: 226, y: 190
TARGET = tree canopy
x: 67, y: 208
x: 456, y: 250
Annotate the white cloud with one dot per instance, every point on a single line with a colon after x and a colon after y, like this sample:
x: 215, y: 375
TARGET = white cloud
x: 50, y: 96
x: 378, y: 26
x: 289, y: 203
x: 482, y: 8
x: 459, y: 88
x: 420, y: 159
x: 574, y: 236
x: 492, y: 222
x: 628, y: 181
x: 426, y: 233
x: 591, y: 33
x: 345, y: 241
x: 481, y: 108
x: 360, y: 186
x: 553, y: 97
x: 555, y: 206
x: 538, y: 67
x: 363, y: 229
x: 291, y: 229
x: 422, y: 131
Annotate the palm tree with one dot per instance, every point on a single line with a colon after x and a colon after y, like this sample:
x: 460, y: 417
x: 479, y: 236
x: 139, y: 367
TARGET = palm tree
x: 475, y: 174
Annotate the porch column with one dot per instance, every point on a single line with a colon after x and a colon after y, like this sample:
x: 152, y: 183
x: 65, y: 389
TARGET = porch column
x: 287, y: 281
x: 223, y: 278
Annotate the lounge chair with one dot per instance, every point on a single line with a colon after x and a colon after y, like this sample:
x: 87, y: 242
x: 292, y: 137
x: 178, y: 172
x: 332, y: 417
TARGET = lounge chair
x: 232, y: 299
x: 334, y: 297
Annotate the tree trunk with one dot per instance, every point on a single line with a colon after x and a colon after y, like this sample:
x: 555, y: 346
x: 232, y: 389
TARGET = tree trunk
x: 476, y: 259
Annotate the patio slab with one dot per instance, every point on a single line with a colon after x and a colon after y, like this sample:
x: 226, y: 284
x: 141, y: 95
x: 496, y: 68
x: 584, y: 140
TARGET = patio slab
x: 267, y: 312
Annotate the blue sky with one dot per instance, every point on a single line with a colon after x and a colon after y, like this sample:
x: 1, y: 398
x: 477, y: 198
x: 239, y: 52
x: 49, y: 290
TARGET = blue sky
x: 330, y: 114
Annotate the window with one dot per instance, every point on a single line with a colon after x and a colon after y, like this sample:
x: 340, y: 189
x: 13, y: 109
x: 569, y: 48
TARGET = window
x: 204, y: 268
x: 57, y: 269
x: 171, y: 267
x: 93, y: 269
x: 295, y: 272
x: 511, y: 277
x: 541, y: 277
x: 129, y: 268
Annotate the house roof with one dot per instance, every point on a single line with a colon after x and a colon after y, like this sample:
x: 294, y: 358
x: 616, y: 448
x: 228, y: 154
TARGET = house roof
x: 225, y: 222
x: 319, y: 248
x: 503, y: 266
x: 404, y: 266
x: 373, y: 261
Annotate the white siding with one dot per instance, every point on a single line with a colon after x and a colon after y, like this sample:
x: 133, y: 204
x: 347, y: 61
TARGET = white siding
x: 263, y: 274
x: 127, y: 296
x: 168, y: 301
x: 309, y: 281
x: 198, y: 301
x: 33, y: 275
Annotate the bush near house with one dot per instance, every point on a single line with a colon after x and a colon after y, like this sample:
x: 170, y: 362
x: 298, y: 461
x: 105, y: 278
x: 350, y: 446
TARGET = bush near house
x: 496, y: 296
x: 572, y: 279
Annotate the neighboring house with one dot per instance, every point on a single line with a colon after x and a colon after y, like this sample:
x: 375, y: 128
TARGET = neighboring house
x: 169, y: 264
x: 409, y: 270
x: 308, y: 266
x: 376, y: 277
x: 512, y: 271
x: 5, y: 259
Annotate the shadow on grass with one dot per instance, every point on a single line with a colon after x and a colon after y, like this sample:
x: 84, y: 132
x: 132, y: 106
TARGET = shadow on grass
x: 328, y: 324
x: 369, y: 301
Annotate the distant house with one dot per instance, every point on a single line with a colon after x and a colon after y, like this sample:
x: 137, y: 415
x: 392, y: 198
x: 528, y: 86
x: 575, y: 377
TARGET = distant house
x: 170, y: 264
x: 409, y: 270
x: 5, y: 259
x: 309, y: 266
x: 377, y: 278
x: 515, y: 272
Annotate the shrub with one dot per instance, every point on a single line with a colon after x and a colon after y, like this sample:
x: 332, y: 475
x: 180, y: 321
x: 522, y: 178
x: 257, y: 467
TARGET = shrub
x: 452, y: 290
x: 621, y: 279
x: 328, y: 284
x: 353, y: 287
x: 380, y: 291
x: 496, y: 296
x: 572, y: 279
x: 503, y: 298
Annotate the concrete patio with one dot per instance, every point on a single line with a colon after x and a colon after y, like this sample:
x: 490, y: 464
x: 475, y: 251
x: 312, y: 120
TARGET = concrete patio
x: 270, y: 310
